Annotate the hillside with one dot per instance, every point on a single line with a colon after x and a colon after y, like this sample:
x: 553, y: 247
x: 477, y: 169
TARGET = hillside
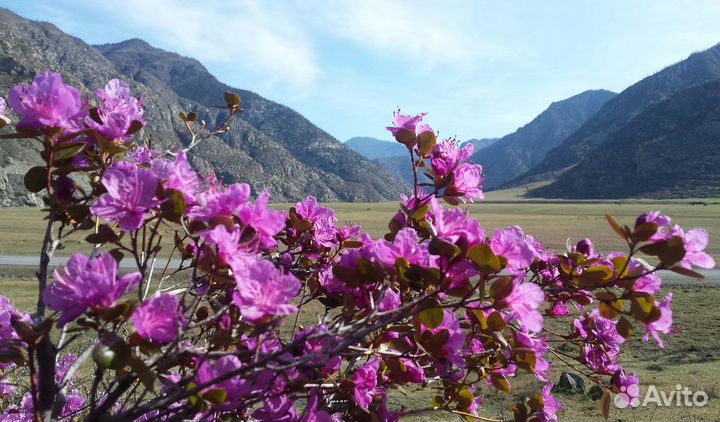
x: 697, y: 69
x: 671, y: 149
x: 517, y: 152
x: 269, y: 146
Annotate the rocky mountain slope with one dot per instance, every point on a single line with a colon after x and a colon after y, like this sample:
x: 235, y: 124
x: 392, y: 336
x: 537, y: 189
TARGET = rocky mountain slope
x: 670, y: 149
x: 697, y: 69
x: 516, y: 153
x: 269, y: 146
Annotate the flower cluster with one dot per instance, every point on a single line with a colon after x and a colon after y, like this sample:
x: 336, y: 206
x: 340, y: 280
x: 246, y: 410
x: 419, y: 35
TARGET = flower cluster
x: 260, y: 314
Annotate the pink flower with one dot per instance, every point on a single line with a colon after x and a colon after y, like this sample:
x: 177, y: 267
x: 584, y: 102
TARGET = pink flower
x: 228, y: 251
x: 235, y: 387
x: 7, y: 310
x: 452, y: 348
x: 405, y: 245
x: 655, y: 217
x: 117, y: 110
x: 179, y: 176
x: 447, y: 155
x: 159, y: 318
x: 130, y: 195
x: 316, y: 341
x: 513, y: 245
x: 408, y: 123
x: 523, y: 301
x: 696, y: 240
x: 663, y: 324
x: 602, y: 342
x: 455, y: 225
x: 262, y: 221
x: 466, y: 183
x: 539, y: 347
x: 219, y: 201
x: 325, y: 231
x: 143, y: 155
x: 313, y: 412
x: 365, y: 379
x: 265, y: 292
x: 85, y: 283
x: 551, y: 406
x: 47, y: 102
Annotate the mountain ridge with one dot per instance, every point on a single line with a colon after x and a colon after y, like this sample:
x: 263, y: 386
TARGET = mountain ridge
x: 291, y: 161
x: 515, y: 153
x: 698, y: 68
x: 682, y: 130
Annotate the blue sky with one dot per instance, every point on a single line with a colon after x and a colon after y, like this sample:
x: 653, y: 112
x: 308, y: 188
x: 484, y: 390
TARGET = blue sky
x: 480, y: 68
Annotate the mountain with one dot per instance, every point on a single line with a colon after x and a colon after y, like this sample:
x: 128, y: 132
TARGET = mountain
x: 697, y: 69
x: 516, y: 153
x: 393, y: 156
x: 670, y: 149
x: 269, y: 146
x: 372, y: 148
x: 483, y: 143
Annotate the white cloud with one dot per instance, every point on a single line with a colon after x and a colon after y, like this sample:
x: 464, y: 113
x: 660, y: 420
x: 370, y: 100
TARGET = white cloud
x: 246, y: 34
x: 428, y: 33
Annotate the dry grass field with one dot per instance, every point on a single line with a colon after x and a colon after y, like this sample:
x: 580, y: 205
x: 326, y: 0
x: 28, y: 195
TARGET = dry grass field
x: 553, y: 222
x: 690, y: 357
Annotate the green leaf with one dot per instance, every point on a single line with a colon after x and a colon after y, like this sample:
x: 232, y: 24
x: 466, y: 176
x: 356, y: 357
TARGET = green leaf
x: 536, y: 403
x: 111, y: 352
x: 173, y: 207
x: 104, y: 235
x: 431, y: 317
x: 443, y: 248
x: 134, y: 128
x: 624, y: 327
x: 594, y: 276
x: 644, y: 232
x: 670, y: 251
x: 605, y: 404
x: 68, y: 152
x: 426, y: 142
x: 686, y: 272
x: 216, y: 396
x: 616, y: 226
x: 500, y: 382
x: 501, y: 288
x: 406, y: 137
x: 232, y: 99
x: 484, y: 259
x: 420, y: 213
x: 495, y: 322
x: 464, y: 399
x: 35, y: 179
x: 147, y: 376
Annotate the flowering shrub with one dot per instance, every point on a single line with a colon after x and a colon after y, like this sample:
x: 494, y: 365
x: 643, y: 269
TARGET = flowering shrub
x: 437, y: 303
